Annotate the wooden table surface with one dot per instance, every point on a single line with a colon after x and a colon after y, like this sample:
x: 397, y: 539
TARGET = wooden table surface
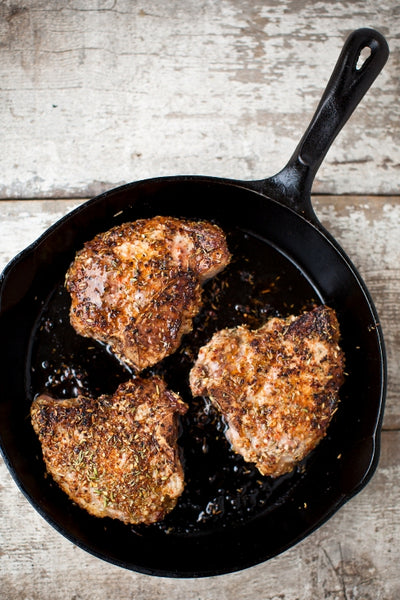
x: 95, y: 93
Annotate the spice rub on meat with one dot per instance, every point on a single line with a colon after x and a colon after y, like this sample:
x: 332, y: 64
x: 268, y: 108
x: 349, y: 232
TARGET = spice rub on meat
x: 115, y: 456
x: 137, y: 286
x: 276, y: 387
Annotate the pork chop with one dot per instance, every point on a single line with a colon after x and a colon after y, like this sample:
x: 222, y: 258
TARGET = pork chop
x: 276, y: 386
x: 115, y: 456
x: 137, y: 286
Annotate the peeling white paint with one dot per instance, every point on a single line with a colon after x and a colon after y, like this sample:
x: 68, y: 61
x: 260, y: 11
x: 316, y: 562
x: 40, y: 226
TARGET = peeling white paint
x: 100, y: 92
x: 223, y: 89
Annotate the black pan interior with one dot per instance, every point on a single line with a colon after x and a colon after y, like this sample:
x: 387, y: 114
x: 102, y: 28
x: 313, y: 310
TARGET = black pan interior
x: 229, y: 517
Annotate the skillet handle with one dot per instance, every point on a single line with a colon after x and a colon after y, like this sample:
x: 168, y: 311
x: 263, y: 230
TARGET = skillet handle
x: 346, y: 87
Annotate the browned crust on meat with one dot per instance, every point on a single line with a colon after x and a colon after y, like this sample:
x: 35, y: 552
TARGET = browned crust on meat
x: 137, y: 286
x: 117, y: 455
x: 277, y: 387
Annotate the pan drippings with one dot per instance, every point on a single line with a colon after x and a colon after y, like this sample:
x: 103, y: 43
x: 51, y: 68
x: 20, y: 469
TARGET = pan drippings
x: 221, y: 488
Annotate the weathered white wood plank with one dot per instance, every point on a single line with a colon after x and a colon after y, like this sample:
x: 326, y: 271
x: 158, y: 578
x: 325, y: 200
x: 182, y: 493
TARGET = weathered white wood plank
x: 100, y: 92
x: 354, y: 556
x: 368, y: 230
x: 366, y: 227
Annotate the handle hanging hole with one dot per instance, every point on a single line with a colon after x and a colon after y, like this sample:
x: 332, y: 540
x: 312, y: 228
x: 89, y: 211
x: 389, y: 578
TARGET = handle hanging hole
x: 365, y: 53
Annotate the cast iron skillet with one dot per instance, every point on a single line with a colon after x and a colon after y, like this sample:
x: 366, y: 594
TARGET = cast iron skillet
x: 229, y: 517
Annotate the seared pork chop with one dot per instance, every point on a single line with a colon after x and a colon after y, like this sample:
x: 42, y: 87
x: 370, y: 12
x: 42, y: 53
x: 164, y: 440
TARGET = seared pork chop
x: 115, y: 456
x: 137, y: 286
x: 276, y: 387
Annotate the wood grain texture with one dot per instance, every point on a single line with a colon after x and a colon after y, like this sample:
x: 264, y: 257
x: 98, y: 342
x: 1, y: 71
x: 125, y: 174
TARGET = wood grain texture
x: 354, y: 556
x: 95, y: 93
x: 366, y: 227
x: 100, y: 92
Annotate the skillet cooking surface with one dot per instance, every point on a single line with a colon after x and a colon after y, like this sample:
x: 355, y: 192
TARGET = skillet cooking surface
x: 221, y: 488
x: 229, y: 517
